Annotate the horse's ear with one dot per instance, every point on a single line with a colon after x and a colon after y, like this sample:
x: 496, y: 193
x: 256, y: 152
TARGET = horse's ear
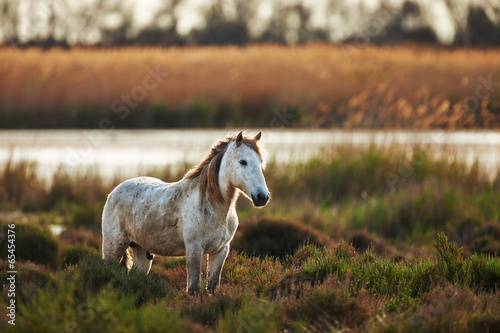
x: 258, y: 136
x: 239, y: 139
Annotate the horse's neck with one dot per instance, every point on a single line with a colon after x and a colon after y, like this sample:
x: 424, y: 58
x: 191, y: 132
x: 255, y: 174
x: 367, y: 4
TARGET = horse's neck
x: 229, y: 192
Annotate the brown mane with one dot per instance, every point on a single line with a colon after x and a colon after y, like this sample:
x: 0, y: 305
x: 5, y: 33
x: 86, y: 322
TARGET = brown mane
x: 208, y: 169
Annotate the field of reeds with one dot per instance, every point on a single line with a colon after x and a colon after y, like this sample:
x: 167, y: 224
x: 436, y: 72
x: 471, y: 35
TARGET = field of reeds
x: 348, y: 242
x: 349, y: 86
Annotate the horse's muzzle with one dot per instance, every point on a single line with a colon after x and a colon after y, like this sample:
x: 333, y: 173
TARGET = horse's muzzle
x: 260, y: 199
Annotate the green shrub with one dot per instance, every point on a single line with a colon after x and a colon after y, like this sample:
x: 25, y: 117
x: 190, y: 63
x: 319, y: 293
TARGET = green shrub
x: 322, y: 262
x: 324, y: 307
x: 381, y: 276
x: 450, y: 258
x: 81, y: 236
x: 175, y: 278
x: 75, y: 253
x: 274, y: 237
x: 404, y: 300
x: 87, y: 216
x: 92, y: 274
x: 30, y: 277
x: 253, y: 273
x: 483, y: 272
x: 255, y: 315
x: 362, y: 240
x: 450, y: 309
x: 486, y: 244
x: 58, y: 310
x: 32, y: 243
x: 487, y: 239
x: 208, y: 310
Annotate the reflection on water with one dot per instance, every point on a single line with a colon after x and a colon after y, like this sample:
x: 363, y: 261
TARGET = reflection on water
x: 131, y: 152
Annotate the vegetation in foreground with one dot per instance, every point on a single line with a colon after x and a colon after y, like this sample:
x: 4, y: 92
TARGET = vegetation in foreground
x: 315, y: 289
x: 348, y: 242
x: 349, y: 86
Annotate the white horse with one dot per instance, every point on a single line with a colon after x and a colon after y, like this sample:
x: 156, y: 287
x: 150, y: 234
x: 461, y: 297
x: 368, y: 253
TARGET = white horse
x: 192, y: 217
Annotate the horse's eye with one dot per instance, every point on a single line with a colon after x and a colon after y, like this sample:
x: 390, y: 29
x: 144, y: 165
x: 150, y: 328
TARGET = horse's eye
x: 243, y: 162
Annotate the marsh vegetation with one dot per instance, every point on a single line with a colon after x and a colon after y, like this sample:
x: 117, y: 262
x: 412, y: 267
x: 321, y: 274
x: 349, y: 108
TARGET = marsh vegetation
x: 346, y: 242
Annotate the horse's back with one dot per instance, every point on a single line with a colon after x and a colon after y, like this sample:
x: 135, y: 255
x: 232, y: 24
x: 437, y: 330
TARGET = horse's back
x: 125, y: 193
x: 147, y: 210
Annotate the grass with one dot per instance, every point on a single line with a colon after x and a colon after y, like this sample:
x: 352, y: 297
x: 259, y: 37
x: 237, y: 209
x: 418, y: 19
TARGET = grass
x: 317, y: 85
x: 315, y: 289
x: 338, y: 194
x: 339, y: 247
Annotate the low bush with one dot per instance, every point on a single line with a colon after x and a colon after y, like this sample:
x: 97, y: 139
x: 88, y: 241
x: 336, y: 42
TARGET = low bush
x: 448, y: 309
x: 86, y: 216
x: 275, y: 237
x: 75, y: 253
x: 255, y: 315
x: 318, y: 263
x: 81, y: 236
x: 60, y: 310
x: 487, y: 239
x: 254, y: 273
x: 92, y: 274
x: 362, y: 240
x: 175, y: 277
x: 32, y: 243
x: 30, y: 277
x: 315, y: 289
x: 209, y: 310
x: 483, y: 273
x: 325, y: 307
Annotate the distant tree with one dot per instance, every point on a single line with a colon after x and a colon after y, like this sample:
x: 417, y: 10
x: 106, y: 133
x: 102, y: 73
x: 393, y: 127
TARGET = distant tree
x: 292, y: 24
x: 222, y: 29
x: 475, y: 25
x: 162, y: 30
x: 405, y: 25
x: 48, y: 23
x: 275, y: 32
x: 9, y: 21
x: 480, y: 29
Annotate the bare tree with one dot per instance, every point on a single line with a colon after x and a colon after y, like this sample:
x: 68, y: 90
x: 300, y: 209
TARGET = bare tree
x: 9, y: 21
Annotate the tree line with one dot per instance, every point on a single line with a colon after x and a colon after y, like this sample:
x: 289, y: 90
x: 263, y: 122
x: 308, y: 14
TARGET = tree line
x: 65, y: 23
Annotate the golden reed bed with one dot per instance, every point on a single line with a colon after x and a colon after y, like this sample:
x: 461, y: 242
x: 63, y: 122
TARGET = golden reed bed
x: 341, y: 86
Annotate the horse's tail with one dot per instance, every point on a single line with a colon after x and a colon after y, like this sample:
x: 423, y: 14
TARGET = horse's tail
x: 127, y: 260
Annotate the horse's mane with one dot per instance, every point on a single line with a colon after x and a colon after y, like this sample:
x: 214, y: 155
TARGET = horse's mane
x: 208, y: 169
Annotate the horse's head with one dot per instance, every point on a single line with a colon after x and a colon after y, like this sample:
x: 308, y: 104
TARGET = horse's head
x: 244, y: 163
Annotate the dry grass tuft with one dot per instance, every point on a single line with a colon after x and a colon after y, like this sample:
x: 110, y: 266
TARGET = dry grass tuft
x: 376, y: 87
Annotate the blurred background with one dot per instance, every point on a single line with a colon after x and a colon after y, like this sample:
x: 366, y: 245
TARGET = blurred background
x: 380, y: 118
x: 358, y: 101
x: 68, y: 23
x: 280, y: 65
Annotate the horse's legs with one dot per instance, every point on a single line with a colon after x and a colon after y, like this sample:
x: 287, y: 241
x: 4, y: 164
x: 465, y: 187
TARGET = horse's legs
x: 194, y: 255
x: 142, y: 259
x: 216, y: 261
x: 114, y: 246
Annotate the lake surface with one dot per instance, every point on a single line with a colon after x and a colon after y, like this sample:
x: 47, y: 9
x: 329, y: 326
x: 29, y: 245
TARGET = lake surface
x: 132, y: 152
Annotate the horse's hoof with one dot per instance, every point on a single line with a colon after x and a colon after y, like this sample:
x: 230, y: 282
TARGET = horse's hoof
x: 193, y: 292
x: 211, y: 290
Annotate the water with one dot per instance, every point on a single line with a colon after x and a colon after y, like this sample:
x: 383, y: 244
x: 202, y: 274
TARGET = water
x: 132, y: 152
